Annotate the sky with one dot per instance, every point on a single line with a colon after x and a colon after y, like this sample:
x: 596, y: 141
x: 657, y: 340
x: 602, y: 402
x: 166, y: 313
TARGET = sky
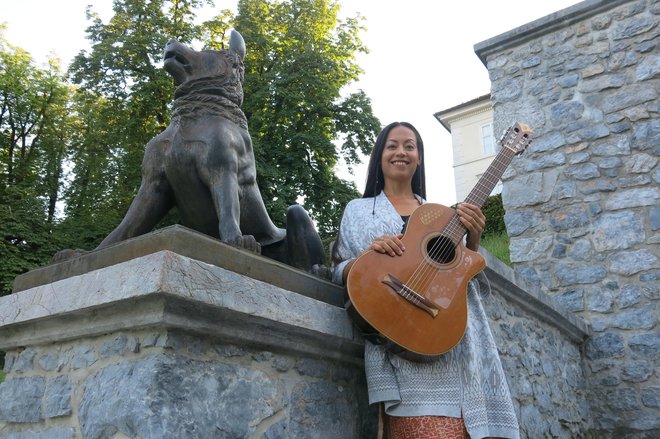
x: 421, y: 57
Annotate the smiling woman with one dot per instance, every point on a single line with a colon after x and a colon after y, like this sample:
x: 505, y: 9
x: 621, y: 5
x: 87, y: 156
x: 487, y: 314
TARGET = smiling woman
x: 399, y: 162
x: 377, y: 240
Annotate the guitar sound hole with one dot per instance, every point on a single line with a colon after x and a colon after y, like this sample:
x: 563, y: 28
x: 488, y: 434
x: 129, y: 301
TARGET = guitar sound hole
x: 441, y: 250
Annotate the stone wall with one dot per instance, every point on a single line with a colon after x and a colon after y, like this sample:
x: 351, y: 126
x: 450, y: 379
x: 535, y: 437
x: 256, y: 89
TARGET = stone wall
x: 170, y: 384
x: 152, y: 338
x: 540, y: 347
x: 583, y: 201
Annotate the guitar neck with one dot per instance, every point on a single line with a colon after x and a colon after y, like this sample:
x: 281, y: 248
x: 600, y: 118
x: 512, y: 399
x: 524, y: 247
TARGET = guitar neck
x: 513, y: 142
x: 455, y: 230
x: 489, y: 179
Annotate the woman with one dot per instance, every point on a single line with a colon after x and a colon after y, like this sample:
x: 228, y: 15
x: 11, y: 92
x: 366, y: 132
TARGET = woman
x: 464, y: 393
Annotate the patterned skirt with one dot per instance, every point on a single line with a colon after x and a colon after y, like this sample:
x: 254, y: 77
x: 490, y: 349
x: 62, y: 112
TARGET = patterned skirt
x: 424, y: 427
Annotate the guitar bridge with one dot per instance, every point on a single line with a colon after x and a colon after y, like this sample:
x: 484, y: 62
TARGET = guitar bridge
x: 410, y: 295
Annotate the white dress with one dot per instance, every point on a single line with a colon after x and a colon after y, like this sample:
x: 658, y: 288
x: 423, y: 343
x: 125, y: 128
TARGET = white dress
x: 466, y: 382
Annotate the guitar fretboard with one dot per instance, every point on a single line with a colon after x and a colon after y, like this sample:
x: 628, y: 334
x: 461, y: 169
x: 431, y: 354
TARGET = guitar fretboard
x: 454, y: 230
x: 489, y: 179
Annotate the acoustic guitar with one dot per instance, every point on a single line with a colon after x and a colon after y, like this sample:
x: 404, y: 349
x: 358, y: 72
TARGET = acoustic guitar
x: 417, y: 302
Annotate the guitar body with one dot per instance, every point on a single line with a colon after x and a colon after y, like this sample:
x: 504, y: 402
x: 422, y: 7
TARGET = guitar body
x: 417, y: 301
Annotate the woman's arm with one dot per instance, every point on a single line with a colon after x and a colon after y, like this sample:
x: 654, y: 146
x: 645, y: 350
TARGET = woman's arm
x: 344, y: 274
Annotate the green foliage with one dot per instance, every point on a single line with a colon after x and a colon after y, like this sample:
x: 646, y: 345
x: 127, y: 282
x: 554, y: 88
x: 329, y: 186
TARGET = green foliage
x: 495, y: 238
x: 96, y: 198
x: 34, y: 141
x: 123, y: 101
x: 70, y: 155
x: 300, y: 57
x: 27, y: 241
x: 494, y: 211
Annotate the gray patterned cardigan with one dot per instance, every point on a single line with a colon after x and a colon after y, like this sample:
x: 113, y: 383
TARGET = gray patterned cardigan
x: 466, y: 382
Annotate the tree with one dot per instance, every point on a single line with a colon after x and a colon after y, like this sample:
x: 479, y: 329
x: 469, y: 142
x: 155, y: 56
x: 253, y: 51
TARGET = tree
x: 92, y: 197
x: 34, y: 133
x: 300, y: 59
x: 494, y: 212
x: 124, y: 99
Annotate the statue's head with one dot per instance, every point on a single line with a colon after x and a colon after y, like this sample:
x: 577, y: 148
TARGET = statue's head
x: 185, y: 64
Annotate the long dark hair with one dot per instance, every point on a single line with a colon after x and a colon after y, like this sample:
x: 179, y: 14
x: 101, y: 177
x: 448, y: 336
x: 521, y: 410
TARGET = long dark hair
x: 376, y: 181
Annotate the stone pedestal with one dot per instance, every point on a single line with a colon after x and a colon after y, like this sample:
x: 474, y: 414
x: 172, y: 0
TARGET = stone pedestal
x: 176, y: 335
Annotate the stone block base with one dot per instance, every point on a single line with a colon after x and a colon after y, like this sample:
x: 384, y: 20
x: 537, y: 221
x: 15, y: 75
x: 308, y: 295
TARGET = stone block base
x: 166, y: 345
x: 174, y: 384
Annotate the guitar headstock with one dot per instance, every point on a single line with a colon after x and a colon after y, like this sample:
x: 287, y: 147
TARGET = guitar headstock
x: 517, y: 138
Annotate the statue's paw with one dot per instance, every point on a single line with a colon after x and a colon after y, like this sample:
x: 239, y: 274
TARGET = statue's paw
x: 322, y: 271
x: 68, y: 253
x: 251, y: 244
x: 246, y: 242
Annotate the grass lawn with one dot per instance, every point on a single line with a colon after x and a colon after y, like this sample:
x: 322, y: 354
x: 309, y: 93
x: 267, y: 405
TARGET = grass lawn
x: 2, y: 376
x: 498, y: 245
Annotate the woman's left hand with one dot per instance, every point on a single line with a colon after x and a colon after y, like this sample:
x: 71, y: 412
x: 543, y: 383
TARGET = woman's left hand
x: 474, y: 221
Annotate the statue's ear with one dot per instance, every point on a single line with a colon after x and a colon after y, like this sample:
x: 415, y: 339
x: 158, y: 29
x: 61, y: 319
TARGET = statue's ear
x: 237, y: 44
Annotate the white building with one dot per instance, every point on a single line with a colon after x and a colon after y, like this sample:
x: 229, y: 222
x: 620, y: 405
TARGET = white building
x: 473, y: 143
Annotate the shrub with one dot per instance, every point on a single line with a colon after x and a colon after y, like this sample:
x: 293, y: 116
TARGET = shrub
x: 494, y: 211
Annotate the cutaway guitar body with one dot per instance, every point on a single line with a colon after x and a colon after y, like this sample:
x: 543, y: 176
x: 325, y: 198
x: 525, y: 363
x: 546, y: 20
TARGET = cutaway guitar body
x: 418, y: 300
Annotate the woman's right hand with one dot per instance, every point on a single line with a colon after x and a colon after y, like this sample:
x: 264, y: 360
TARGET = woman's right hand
x: 390, y: 244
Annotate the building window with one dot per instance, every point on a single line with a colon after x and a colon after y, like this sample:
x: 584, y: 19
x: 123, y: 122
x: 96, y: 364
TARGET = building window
x: 487, y: 139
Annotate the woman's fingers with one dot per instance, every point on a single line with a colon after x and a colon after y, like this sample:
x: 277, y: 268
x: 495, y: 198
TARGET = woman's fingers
x: 392, y: 245
x: 474, y: 221
x: 471, y: 217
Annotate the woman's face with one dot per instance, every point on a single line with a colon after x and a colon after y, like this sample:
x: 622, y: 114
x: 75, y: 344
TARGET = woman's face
x: 400, y: 156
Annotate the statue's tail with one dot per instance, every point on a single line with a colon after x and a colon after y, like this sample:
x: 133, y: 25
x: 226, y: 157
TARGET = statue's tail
x: 303, y: 241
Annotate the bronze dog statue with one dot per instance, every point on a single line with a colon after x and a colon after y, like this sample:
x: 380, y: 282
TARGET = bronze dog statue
x: 203, y: 164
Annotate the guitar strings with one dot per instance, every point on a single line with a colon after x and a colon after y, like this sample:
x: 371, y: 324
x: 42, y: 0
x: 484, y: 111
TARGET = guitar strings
x: 500, y: 163
x: 443, y: 249
x: 454, y: 231
x: 424, y: 273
